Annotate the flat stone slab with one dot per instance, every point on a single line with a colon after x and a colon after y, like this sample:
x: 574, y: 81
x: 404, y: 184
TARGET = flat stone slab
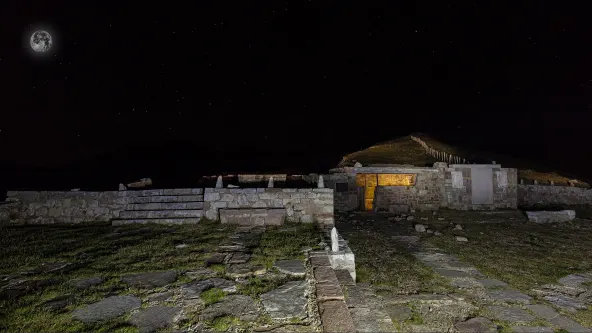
x: 287, y: 301
x: 569, y: 325
x: 160, y: 297
x: 320, y: 261
x: 237, y: 271
x: 543, y: 311
x: 290, y: 267
x: 566, y: 302
x: 575, y: 280
x: 532, y: 329
x: 513, y: 315
x: 492, y: 283
x: 155, y: 318
x: 451, y: 273
x: 551, y: 216
x: 58, y: 303
x: 476, y: 325
x: 329, y: 291
x: 419, y: 298
x: 150, y: 279
x: 194, y: 289
x: 465, y: 283
x: 368, y: 320
x: 216, y: 259
x: 200, y: 273
x: 509, y: 296
x: 86, y: 283
x: 238, y: 258
x: 232, y: 248
x: 398, y: 313
x: 335, y: 317
x: 325, y: 275
x: 107, y: 309
x: 240, y: 306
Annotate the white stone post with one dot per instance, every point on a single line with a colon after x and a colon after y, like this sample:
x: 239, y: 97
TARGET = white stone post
x: 270, y: 182
x: 219, y: 183
x: 321, y: 182
x: 334, y: 240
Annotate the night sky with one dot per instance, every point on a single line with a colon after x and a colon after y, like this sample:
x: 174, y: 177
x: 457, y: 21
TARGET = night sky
x: 175, y: 91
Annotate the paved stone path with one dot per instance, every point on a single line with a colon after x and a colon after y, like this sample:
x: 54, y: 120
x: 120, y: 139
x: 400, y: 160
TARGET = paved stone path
x: 497, y: 301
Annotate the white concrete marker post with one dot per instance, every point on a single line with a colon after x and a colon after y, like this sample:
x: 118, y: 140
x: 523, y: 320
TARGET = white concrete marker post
x: 321, y: 183
x: 334, y: 240
x: 219, y: 183
x: 270, y: 182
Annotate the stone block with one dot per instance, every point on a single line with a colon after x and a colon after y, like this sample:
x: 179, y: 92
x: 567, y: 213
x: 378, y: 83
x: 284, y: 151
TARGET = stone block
x: 335, y: 317
x: 252, y: 216
x: 551, y: 216
x: 329, y: 291
x: 325, y: 275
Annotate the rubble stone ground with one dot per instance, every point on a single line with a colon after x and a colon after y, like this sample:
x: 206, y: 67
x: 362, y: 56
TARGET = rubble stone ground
x: 138, y: 278
x: 396, y: 294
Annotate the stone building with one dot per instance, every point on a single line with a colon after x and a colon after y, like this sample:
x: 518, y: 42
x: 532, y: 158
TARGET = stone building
x: 400, y: 188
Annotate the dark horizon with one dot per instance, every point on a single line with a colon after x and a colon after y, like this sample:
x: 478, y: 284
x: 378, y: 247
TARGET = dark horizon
x: 207, y: 88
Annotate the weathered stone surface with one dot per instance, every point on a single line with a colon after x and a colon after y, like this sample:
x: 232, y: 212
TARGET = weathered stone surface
x: 551, y: 216
x: 569, y: 325
x: 575, y: 280
x: 344, y: 277
x: 418, y: 298
x: 464, y: 283
x: 240, y: 306
x: 335, y: 317
x: 150, y: 279
x: 329, y: 291
x: 52, y: 267
x: 566, y: 302
x: 543, y: 311
x: 420, y: 228
x: 325, y: 275
x: 86, y: 283
x: 193, y: 290
x: 398, y: 313
x: 461, y: 239
x: 109, y: 308
x: 216, y: 259
x: 513, y: 315
x: 237, y: 271
x: 369, y: 320
x: 290, y: 267
x: 21, y: 287
x: 320, y: 261
x: 256, y: 216
x: 160, y: 297
x: 492, y: 283
x: 58, y: 303
x: 452, y: 273
x: 239, y: 258
x: 200, y: 273
x: 155, y: 318
x: 287, y: 301
x: 476, y: 325
x: 509, y: 296
x: 532, y: 329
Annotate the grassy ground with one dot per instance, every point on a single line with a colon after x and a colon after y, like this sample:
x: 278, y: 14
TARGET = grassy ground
x: 523, y: 254
x: 383, y: 263
x: 110, y: 252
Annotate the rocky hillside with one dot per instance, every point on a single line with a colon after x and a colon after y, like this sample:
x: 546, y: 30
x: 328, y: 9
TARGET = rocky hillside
x: 407, y: 151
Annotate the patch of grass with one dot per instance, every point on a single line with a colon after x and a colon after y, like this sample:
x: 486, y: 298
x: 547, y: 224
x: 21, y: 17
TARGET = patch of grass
x: 218, y: 268
x: 256, y: 286
x: 222, y: 324
x: 211, y: 296
x: 381, y: 262
x: 276, y: 244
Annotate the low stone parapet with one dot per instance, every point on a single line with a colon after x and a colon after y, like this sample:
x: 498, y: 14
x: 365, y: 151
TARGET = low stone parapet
x: 551, y: 216
x: 255, y: 217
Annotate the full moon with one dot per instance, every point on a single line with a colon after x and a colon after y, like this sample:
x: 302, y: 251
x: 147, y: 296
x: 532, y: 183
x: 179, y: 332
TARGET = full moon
x: 41, y: 41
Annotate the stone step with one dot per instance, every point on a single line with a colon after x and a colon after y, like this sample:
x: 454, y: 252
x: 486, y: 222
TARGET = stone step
x: 188, y: 220
x: 165, y: 206
x: 168, y: 191
x: 166, y: 198
x: 160, y: 214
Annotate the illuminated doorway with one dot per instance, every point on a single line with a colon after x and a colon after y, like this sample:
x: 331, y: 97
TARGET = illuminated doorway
x: 369, y: 181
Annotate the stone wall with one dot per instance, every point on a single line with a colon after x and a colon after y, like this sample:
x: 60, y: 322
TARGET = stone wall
x: 301, y: 205
x: 425, y: 195
x: 65, y: 207
x: 553, y: 195
x: 346, y: 197
x: 459, y: 196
